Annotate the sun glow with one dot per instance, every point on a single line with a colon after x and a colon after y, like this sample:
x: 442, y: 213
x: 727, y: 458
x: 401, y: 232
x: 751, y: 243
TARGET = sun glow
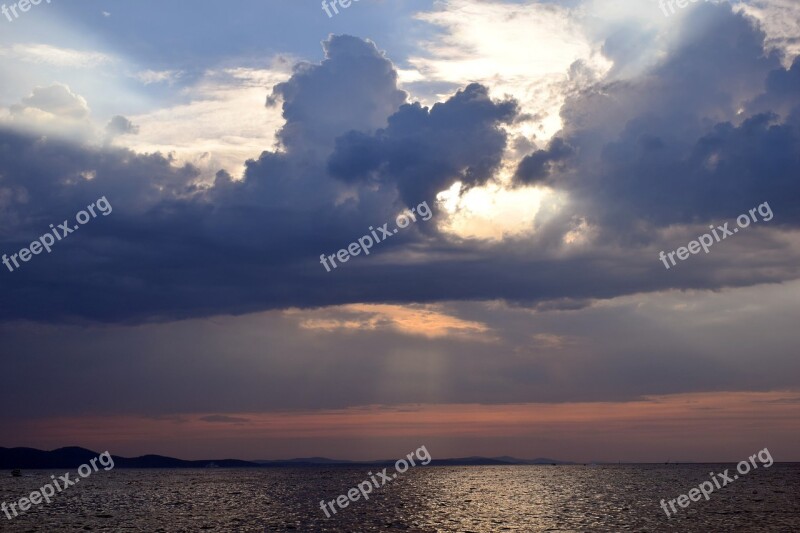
x: 491, y: 211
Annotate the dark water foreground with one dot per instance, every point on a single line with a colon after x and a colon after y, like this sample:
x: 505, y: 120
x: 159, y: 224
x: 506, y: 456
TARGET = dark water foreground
x: 439, y: 499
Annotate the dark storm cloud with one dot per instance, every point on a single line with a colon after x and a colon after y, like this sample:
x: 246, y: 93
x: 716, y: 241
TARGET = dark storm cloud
x: 538, y: 166
x: 171, y: 250
x: 702, y: 137
x: 354, y: 88
x: 669, y: 147
x: 423, y: 151
x: 617, y: 351
x: 781, y: 95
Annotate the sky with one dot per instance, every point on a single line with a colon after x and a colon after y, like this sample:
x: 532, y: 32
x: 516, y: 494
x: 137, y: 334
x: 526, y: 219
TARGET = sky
x: 219, y: 298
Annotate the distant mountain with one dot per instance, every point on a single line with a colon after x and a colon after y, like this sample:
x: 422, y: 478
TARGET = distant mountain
x: 70, y: 458
x: 468, y: 461
x: 32, y: 458
x: 159, y: 461
x: 537, y: 461
x: 460, y: 461
x: 73, y: 457
x: 304, y: 461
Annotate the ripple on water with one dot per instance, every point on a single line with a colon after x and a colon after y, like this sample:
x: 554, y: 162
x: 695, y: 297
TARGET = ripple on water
x: 427, y: 500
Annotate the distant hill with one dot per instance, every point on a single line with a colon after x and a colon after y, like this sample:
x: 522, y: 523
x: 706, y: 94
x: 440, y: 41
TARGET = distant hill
x: 304, y: 461
x: 537, y: 461
x: 323, y: 461
x: 33, y: 458
x: 73, y: 457
x: 70, y: 458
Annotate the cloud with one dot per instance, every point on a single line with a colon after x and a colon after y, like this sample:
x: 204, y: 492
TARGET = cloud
x: 57, y: 99
x: 221, y: 123
x: 614, y: 350
x: 652, y: 161
x: 52, y: 110
x: 224, y: 419
x: 537, y: 166
x: 519, y: 49
x: 354, y: 88
x: 780, y: 21
x: 425, y: 321
x: 149, y: 77
x: 120, y: 125
x: 668, y: 355
x: 659, y: 151
x: 54, y: 56
x: 644, y: 430
x: 423, y: 152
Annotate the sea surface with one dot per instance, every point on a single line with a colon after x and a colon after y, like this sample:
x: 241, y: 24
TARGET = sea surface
x: 431, y: 499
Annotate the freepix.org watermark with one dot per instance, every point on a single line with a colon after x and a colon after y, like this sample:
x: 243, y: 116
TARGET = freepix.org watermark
x: 720, y: 233
x: 47, y: 240
x: 365, y: 487
x: 326, y: 6
x: 681, y: 4
x: 48, y: 491
x: 720, y: 480
x: 368, y: 241
x: 23, y: 5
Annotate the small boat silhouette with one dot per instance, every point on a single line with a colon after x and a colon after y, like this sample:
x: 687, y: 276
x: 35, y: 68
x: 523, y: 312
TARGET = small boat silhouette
x: 16, y: 473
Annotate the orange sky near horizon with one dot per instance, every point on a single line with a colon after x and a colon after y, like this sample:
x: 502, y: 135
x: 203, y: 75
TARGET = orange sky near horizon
x: 699, y: 427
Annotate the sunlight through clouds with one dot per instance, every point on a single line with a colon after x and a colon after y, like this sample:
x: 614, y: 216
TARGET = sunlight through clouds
x: 522, y: 50
x: 490, y: 212
x: 427, y: 320
x: 559, y: 146
x: 780, y: 20
x: 536, y: 53
x: 224, y: 123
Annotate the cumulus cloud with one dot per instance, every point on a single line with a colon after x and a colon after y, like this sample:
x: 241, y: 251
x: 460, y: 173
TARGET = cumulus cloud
x: 537, y: 166
x: 780, y: 20
x: 52, y: 110
x: 57, y: 99
x: 659, y: 150
x: 423, y: 152
x: 519, y: 49
x: 220, y: 124
x: 641, y: 164
x: 120, y: 125
x: 354, y: 88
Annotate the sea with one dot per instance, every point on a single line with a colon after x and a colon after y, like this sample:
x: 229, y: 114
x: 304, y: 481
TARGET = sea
x: 564, y: 498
